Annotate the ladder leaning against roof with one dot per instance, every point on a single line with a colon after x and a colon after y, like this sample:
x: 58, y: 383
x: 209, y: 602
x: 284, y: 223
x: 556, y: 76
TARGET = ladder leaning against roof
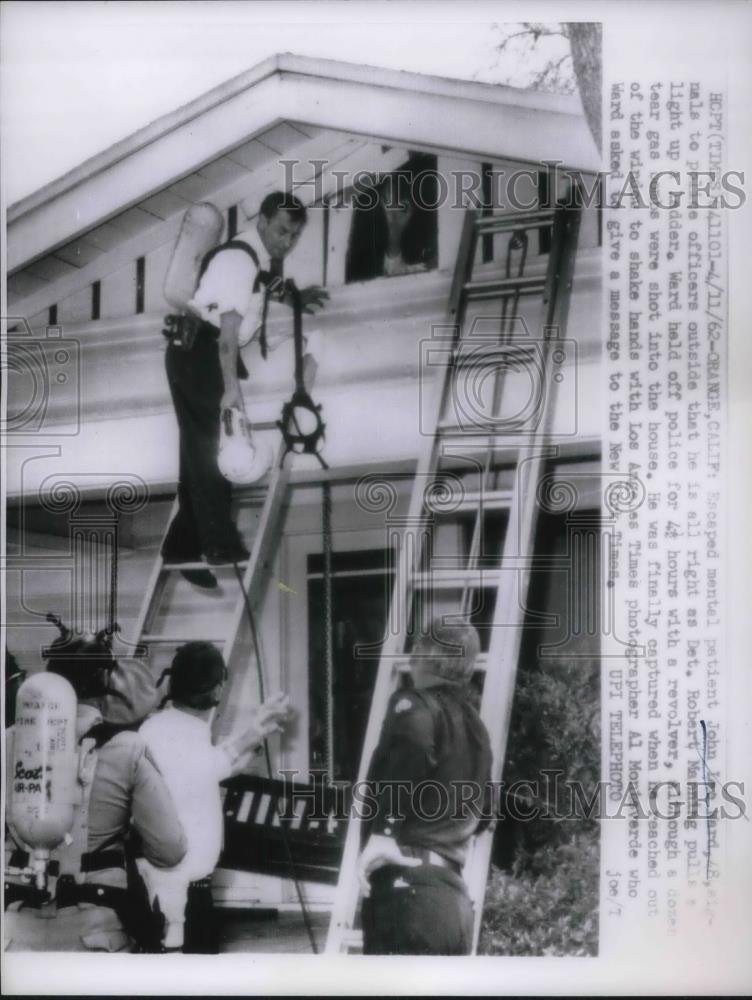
x: 224, y: 623
x: 228, y: 619
x: 471, y: 356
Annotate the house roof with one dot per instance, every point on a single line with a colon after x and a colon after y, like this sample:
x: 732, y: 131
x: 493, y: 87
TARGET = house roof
x: 406, y: 108
x: 324, y: 69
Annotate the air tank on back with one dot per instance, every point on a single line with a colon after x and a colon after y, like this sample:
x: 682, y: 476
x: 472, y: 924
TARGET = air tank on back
x: 44, y: 787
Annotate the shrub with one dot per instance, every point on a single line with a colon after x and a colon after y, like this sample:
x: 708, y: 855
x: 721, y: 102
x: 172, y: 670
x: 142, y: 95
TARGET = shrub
x: 543, y: 899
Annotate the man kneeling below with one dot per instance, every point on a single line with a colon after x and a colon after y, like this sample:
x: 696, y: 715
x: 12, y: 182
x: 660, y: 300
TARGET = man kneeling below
x: 179, y: 738
x: 433, y: 743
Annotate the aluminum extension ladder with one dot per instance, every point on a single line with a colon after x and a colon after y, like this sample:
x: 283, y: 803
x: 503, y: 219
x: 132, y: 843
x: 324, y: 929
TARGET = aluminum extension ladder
x: 419, y: 574
x: 230, y: 630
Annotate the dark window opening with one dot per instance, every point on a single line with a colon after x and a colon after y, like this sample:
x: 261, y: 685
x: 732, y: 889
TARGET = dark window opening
x: 52, y: 315
x: 96, y: 299
x: 399, y: 234
x: 361, y: 593
x: 140, y: 283
x: 565, y: 616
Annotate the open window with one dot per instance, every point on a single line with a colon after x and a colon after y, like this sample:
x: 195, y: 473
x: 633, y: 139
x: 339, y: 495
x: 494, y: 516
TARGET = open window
x: 361, y: 588
x: 394, y: 227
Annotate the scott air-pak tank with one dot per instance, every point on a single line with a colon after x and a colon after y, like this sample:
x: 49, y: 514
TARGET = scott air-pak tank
x: 200, y: 232
x: 45, y: 766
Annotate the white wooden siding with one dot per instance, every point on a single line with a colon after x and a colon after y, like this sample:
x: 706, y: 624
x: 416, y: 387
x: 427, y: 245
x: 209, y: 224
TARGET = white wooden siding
x: 157, y: 261
x: 75, y: 308
x: 119, y: 292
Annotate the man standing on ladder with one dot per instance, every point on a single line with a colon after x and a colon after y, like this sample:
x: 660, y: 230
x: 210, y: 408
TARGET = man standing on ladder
x: 429, y: 776
x: 238, y: 282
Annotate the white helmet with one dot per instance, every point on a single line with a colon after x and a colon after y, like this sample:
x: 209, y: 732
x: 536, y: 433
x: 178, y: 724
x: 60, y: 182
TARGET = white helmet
x: 242, y: 458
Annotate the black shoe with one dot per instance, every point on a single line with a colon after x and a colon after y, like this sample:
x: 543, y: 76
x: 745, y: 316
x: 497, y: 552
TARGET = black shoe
x: 173, y: 558
x: 203, y: 578
x: 222, y: 555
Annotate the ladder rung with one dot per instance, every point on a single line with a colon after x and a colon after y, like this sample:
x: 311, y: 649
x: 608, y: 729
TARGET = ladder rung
x: 474, y: 439
x: 447, y: 579
x: 491, y: 500
x: 172, y: 639
x: 509, y: 225
x: 179, y: 567
x: 481, y: 665
x: 493, y: 287
x: 470, y: 352
x: 519, y: 219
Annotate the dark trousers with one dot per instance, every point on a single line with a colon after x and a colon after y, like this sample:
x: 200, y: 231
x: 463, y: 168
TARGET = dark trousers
x: 201, y: 931
x: 204, y: 517
x: 417, y: 911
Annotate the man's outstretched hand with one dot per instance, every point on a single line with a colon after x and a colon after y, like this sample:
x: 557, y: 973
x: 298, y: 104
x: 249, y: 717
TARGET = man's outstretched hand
x: 312, y: 298
x: 272, y: 715
x: 268, y: 718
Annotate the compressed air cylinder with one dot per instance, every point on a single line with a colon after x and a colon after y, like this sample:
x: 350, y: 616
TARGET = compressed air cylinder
x: 44, y: 787
x: 199, y: 233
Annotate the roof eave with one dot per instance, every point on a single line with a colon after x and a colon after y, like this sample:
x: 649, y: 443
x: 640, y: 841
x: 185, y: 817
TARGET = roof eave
x: 301, y: 66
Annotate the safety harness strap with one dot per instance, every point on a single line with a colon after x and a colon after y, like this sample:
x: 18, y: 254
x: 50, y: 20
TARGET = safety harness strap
x: 230, y: 245
x: 269, y: 280
x: 71, y: 855
x: 91, y: 861
x: 71, y: 893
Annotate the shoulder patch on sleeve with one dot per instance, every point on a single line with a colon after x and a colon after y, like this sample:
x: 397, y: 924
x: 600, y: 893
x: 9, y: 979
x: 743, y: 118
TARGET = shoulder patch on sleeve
x: 403, y: 705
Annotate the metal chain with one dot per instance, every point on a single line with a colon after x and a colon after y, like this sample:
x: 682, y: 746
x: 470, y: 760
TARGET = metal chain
x: 517, y: 241
x: 113, y: 582
x: 326, y: 510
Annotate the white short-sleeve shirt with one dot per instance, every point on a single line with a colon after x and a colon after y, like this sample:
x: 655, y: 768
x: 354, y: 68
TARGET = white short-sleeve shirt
x: 227, y: 286
x: 192, y: 767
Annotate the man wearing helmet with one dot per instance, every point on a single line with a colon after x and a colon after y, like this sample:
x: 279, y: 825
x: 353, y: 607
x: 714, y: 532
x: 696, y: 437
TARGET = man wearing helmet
x: 239, y: 283
x: 179, y: 737
x: 93, y: 907
x: 429, y: 777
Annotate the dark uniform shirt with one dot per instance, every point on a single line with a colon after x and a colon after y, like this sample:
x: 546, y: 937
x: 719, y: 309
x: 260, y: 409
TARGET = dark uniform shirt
x: 430, y: 771
x: 128, y: 789
x: 127, y: 792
